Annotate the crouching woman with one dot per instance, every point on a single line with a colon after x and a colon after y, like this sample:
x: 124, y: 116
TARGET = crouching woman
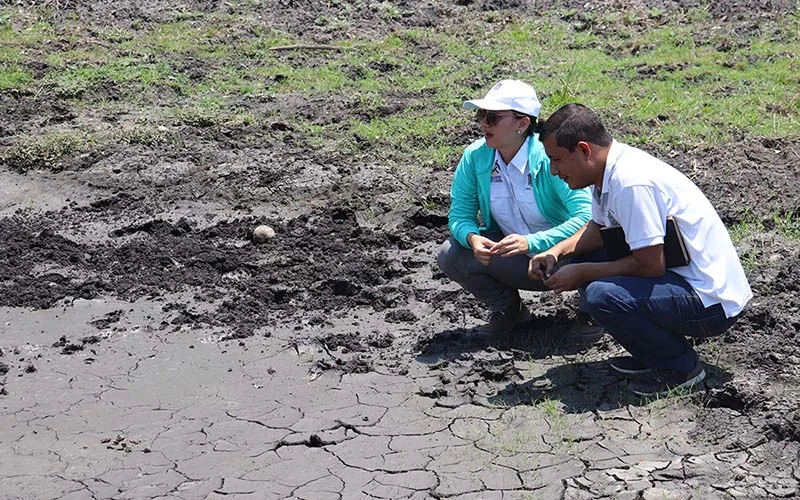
x: 505, y: 177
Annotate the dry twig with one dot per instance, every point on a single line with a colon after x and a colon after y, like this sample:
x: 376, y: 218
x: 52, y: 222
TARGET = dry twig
x: 306, y: 47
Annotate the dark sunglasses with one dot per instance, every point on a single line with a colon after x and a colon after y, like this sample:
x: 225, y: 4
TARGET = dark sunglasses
x: 492, y: 117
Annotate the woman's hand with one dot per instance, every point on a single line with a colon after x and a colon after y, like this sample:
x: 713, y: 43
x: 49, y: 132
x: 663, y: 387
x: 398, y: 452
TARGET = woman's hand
x: 511, y: 245
x: 481, y: 248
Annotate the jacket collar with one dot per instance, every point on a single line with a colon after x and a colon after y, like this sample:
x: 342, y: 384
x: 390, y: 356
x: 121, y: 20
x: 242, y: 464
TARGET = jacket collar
x: 533, y: 166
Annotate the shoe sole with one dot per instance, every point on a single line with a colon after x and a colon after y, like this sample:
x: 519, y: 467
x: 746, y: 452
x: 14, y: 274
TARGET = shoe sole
x: 689, y: 384
x: 626, y: 371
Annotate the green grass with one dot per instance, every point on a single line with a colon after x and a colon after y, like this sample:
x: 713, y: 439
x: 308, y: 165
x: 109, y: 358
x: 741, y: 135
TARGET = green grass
x: 146, y: 135
x: 557, y: 419
x: 677, y: 83
x: 754, y: 238
x: 408, y: 131
x: 785, y: 224
x: 660, y: 403
x: 13, y: 77
x: 788, y: 225
x: 45, y: 151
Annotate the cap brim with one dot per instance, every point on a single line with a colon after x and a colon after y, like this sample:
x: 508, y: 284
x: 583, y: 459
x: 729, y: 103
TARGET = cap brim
x: 486, y: 104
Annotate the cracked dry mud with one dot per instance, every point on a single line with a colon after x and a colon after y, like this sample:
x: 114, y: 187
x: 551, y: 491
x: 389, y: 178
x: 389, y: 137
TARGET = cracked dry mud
x: 151, y: 350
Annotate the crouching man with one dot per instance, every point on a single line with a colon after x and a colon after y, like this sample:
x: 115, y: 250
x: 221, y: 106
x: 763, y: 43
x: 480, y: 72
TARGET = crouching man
x: 648, y: 308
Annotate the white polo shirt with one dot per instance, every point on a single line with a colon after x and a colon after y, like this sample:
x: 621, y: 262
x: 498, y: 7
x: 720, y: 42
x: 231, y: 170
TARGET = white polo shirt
x: 512, y: 200
x: 639, y: 191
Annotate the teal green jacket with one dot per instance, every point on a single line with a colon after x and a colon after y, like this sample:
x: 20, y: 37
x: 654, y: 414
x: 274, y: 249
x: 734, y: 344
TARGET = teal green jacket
x: 567, y: 210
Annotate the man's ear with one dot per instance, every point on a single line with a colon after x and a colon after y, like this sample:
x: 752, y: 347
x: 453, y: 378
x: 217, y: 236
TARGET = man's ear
x: 585, y: 148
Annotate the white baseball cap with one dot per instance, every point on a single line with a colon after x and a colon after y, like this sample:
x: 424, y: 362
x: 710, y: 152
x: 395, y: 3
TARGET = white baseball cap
x: 508, y: 94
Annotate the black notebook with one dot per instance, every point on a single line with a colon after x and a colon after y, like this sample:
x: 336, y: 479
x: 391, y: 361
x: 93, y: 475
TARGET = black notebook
x: 675, y: 253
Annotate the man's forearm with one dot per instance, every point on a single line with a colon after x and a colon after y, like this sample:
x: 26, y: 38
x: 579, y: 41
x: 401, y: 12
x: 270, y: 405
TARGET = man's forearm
x: 626, y: 266
x: 583, y: 241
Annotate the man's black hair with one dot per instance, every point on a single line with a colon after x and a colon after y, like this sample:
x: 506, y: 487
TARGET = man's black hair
x: 572, y: 123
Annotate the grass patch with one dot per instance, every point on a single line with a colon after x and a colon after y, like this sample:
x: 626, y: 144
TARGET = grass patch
x: 746, y: 236
x: 410, y: 132
x: 557, y: 419
x: 146, y: 135
x: 748, y: 226
x: 209, y: 113
x: 786, y: 224
x: 46, y: 151
x: 670, y: 77
x: 49, y: 151
x: 123, y: 73
x: 13, y: 77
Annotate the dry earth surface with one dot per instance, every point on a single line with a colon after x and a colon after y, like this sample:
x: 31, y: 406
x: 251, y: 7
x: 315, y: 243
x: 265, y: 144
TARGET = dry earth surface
x: 151, y: 350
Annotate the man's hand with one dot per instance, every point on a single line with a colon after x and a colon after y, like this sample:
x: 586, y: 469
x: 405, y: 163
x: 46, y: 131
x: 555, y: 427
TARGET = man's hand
x: 511, y: 245
x: 541, y: 266
x: 568, y: 277
x: 481, y: 248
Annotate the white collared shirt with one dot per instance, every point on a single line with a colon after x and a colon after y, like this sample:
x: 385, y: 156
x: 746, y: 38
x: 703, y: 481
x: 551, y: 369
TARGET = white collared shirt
x: 512, y: 200
x: 639, y: 191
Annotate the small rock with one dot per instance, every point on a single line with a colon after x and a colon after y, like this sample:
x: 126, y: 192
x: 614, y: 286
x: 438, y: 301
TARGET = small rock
x: 650, y: 466
x: 661, y: 494
x: 439, y: 365
x: 776, y: 357
x: 315, y: 441
x: 70, y: 349
x: 452, y: 401
x: 263, y: 233
x: 432, y: 391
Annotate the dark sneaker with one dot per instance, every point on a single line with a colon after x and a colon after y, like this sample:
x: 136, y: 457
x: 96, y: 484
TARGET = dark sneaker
x: 664, y: 382
x: 587, y: 334
x: 628, y: 365
x: 503, y: 321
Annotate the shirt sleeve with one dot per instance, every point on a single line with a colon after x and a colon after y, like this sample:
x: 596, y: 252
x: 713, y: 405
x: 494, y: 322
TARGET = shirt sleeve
x: 642, y: 215
x: 464, y: 206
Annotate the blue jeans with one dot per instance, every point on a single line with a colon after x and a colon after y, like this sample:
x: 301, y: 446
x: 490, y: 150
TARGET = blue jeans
x: 651, y: 317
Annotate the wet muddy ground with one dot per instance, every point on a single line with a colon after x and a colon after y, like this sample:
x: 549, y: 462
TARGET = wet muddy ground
x: 151, y: 349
